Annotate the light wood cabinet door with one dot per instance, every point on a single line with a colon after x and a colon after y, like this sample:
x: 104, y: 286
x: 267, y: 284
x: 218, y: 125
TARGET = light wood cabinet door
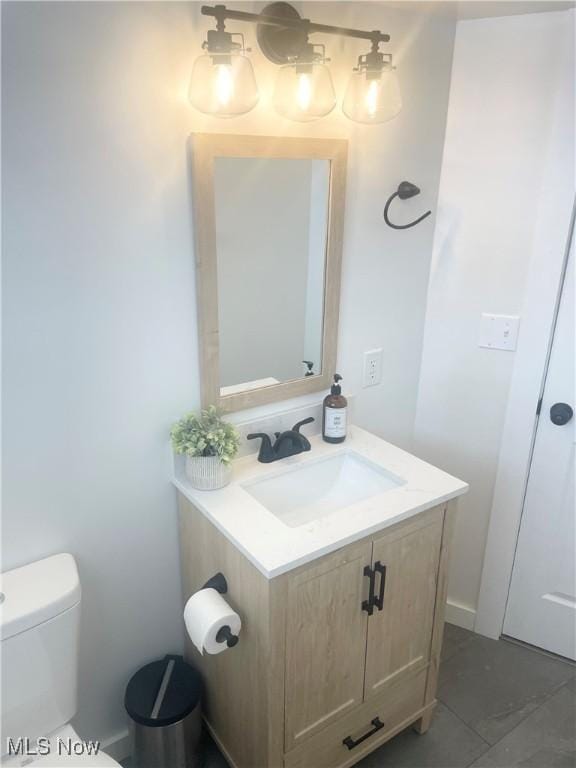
x: 325, y: 642
x: 400, y: 631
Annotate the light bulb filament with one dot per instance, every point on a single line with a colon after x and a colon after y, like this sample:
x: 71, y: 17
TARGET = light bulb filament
x: 224, y: 84
x: 304, y: 95
x: 372, y: 97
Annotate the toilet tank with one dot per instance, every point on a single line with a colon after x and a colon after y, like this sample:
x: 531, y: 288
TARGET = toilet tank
x: 40, y: 622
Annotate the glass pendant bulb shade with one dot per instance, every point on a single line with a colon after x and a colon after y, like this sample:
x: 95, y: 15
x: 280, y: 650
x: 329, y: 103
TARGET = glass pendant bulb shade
x: 223, y: 85
x: 304, y: 92
x: 373, y: 96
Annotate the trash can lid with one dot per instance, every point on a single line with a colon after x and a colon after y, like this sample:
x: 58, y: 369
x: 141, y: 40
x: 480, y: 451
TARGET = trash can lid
x: 163, y: 692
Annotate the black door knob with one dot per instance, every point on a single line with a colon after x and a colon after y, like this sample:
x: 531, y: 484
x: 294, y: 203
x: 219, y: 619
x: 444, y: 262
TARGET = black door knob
x: 560, y: 414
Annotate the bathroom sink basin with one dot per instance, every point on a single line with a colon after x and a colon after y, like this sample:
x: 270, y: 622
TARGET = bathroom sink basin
x: 315, y: 489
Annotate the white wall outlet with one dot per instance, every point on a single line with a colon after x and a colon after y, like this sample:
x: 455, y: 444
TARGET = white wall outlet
x: 372, y: 367
x: 499, y: 331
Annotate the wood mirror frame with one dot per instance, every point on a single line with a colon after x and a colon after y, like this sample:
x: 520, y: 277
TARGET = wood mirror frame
x: 205, y: 148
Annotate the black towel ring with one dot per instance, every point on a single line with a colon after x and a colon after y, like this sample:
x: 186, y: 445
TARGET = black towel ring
x: 405, y: 190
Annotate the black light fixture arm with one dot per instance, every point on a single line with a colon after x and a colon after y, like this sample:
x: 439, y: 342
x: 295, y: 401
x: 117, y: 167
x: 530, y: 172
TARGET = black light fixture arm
x: 405, y: 190
x: 222, y: 13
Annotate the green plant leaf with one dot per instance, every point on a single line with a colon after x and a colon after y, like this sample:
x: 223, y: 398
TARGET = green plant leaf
x: 205, y: 434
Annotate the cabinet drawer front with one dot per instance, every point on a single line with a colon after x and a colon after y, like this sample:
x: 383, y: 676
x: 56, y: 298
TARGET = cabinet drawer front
x: 393, y: 706
x: 325, y: 643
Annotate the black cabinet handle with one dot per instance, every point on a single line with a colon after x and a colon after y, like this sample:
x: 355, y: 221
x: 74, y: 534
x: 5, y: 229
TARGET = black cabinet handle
x: 377, y: 726
x: 368, y: 605
x: 381, y: 569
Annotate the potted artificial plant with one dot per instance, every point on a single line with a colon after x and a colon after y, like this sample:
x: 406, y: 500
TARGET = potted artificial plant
x: 209, y: 444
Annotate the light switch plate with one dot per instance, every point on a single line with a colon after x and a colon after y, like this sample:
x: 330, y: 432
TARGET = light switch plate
x: 499, y: 332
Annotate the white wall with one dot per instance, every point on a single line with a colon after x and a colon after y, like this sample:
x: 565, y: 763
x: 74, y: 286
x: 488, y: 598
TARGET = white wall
x: 99, y: 326
x: 499, y: 127
x: 385, y: 271
x: 100, y: 351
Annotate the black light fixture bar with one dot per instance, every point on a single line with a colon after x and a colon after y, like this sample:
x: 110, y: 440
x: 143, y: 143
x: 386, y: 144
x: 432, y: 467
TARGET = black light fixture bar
x: 222, y: 13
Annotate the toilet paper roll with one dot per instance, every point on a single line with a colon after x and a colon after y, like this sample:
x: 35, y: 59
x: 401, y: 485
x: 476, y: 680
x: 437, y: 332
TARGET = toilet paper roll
x: 205, y: 613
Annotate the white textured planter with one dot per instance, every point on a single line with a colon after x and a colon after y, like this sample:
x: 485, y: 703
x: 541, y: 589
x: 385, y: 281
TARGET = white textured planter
x: 207, y: 473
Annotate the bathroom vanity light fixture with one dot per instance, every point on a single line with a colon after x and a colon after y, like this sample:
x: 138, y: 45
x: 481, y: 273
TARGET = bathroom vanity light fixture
x: 304, y: 89
x: 223, y: 82
x: 373, y: 92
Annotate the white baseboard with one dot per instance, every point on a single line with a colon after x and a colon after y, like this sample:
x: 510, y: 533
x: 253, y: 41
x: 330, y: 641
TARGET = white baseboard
x: 460, y: 615
x: 119, y: 746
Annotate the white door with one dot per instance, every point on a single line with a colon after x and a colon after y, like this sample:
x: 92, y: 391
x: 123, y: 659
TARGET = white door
x: 541, y: 606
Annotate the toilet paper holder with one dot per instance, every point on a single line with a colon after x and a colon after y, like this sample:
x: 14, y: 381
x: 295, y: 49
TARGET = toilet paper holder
x: 217, y: 582
x: 224, y: 635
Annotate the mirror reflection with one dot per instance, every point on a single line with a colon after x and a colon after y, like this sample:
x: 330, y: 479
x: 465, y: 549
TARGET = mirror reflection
x: 271, y: 234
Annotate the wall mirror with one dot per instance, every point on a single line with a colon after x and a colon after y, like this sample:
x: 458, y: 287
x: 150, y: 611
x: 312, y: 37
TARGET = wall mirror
x: 268, y: 221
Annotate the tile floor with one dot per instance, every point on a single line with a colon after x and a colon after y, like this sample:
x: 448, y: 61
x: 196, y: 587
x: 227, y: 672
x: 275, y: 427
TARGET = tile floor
x: 501, y: 705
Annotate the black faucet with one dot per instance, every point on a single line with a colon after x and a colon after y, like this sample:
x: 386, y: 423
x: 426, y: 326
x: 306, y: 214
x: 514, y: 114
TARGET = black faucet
x: 287, y: 443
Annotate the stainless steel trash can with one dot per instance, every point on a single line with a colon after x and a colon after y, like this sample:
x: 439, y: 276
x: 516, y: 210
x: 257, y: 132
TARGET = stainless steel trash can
x: 163, y: 700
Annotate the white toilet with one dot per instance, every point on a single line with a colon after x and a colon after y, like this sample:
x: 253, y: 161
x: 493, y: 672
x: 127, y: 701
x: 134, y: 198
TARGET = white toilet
x: 40, y: 630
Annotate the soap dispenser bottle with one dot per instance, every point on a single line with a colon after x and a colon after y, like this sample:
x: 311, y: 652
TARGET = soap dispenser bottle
x: 334, y: 413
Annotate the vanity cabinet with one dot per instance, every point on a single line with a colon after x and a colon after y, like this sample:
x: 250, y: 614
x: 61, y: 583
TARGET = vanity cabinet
x: 335, y: 656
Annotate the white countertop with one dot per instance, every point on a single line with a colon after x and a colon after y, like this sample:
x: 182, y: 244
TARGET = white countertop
x: 275, y: 548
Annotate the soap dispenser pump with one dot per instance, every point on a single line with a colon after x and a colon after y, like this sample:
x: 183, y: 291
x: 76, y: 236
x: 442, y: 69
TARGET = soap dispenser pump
x: 335, y: 411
